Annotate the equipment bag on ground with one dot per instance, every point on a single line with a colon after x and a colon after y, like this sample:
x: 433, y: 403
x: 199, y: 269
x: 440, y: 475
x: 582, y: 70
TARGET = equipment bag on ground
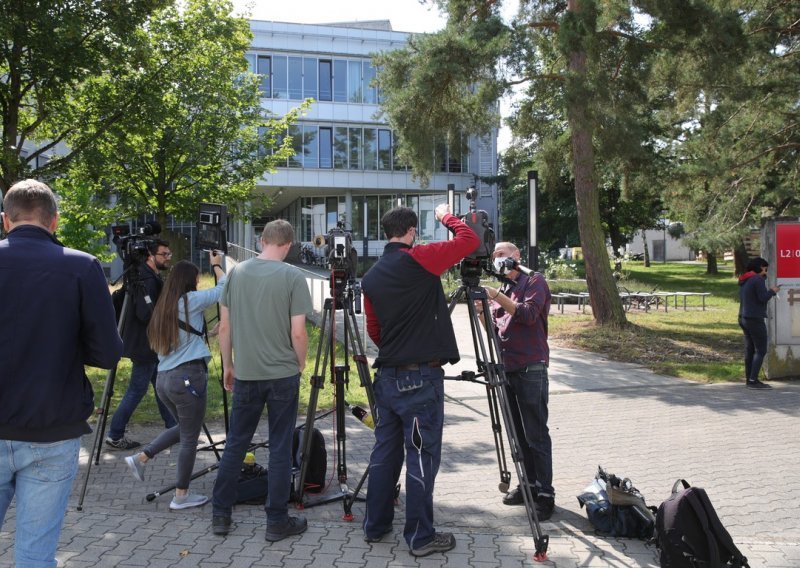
x: 317, y: 459
x: 616, y: 508
x: 689, y: 533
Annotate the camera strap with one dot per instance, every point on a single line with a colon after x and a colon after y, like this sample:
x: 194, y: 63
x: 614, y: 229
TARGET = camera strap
x: 186, y: 327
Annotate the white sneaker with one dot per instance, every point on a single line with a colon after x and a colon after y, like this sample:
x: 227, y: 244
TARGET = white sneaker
x: 136, y: 466
x: 187, y: 501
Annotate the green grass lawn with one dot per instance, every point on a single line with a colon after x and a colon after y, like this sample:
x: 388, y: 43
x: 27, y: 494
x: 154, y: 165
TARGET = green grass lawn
x: 694, y: 344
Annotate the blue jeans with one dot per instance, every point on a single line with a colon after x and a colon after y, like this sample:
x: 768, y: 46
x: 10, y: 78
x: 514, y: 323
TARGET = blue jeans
x: 249, y: 398
x: 755, y: 346
x: 528, y: 393
x: 41, y: 475
x: 188, y: 405
x: 142, y: 375
x: 410, y: 413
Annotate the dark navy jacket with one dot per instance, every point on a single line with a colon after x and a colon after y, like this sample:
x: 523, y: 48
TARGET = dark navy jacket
x: 753, y: 296
x: 147, y: 289
x: 406, y: 309
x: 55, y: 317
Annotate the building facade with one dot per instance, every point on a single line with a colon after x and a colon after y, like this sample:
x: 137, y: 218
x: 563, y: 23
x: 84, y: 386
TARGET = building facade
x: 344, y: 170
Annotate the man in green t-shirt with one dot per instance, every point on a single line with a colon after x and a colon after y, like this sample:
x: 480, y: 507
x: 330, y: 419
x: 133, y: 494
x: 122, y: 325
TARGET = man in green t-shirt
x: 263, y: 321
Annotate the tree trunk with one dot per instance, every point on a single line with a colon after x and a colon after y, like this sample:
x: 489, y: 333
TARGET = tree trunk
x: 603, y: 296
x: 711, y: 263
x: 740, y: 259
x: 646, y: 250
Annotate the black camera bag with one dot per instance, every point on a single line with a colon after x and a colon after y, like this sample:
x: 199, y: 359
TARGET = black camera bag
x: 253, y: 485
x: 689, y: 533
x: 317, y: 459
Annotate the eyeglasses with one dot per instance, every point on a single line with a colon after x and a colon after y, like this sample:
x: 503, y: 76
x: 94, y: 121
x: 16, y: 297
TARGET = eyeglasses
x: 164, y: 254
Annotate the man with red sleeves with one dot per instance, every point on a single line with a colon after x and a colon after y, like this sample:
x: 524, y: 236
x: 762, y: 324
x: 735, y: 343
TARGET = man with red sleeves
x: 409, y: 321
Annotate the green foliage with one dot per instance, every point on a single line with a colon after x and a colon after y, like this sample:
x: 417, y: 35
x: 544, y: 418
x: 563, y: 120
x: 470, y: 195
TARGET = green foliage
x: 83, y: 216
x: 49, y: 52
x: 194, y: 135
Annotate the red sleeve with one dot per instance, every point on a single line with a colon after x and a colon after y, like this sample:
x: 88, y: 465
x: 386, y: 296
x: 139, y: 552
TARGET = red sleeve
x: 373, y: 327
x: 438, y: 257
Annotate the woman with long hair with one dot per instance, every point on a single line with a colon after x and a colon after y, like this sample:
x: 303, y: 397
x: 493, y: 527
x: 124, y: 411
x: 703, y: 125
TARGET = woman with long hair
x: 175, y: 334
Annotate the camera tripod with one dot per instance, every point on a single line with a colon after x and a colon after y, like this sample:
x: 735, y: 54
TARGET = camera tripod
x: 492, y: 374
x: 344, y: 294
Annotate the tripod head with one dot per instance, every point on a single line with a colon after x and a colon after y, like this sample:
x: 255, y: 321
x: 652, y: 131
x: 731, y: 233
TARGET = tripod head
x: 345, y: 290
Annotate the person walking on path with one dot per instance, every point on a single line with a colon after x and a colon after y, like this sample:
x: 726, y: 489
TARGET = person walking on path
x: 408, y: 319
x: 144, y: 361
x: 263, y: 322
x: 57, y: 316
x: 176, y: 335
x: 519, y: 312
x: 753, y: 298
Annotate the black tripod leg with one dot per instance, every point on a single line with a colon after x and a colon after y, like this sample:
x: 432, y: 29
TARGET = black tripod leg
x: 317, y: 383
x: 102, y: 412
x: 497, y: 381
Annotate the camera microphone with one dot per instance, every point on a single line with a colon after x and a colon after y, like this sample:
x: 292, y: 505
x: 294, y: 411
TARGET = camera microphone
x: 524, y: 269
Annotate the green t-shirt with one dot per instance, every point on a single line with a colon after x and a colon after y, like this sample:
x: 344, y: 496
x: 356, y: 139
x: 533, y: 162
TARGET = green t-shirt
x: 262, y: 296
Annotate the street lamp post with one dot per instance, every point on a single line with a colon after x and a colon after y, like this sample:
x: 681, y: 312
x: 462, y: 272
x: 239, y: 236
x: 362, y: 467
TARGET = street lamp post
x: 451, y: 201
x: 533, y: 241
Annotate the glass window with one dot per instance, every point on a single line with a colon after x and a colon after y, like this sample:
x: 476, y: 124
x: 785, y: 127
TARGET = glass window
x: 296, y: 134
x: 262, y: 134
x: 427, y: 222
x: 373, y: 218
x: 265, y: 70
x: 309, y: 78
x: 384, y: 149
x: 386, y: 204
x: 340, y: 147
x: 370, y: 148
x: 354, y: 81
x: 325, y: 80
x: 280, y: 86
x: 355, y: 148
x: 318, y: 216
x: 296, y: 78
x: 251, y: 62
x: 370, y: 92
x: 325, y: 147
x: 397, y: 163
x: 357, y: 221
x: 310, y: 147
x: 340, y: 80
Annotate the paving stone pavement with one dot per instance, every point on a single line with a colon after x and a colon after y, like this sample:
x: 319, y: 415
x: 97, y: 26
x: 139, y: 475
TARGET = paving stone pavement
x: 741, y: 445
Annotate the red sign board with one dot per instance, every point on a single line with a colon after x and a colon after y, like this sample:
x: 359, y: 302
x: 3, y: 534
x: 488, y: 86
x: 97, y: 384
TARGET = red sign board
x: 787, y: 250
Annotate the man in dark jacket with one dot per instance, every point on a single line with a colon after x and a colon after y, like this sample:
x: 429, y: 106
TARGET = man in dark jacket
x: 753, y: 297
x: 145, y: 290
x: 409, y: 321
x: 56, y: 316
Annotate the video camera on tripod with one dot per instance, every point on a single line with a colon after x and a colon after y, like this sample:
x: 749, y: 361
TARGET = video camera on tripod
x: 134, y: 249
x: 339, y: 252
x: 342, y: 259
x: 479, y: 259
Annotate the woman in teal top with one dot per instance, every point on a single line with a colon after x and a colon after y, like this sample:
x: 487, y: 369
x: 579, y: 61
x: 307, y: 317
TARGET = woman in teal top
x: 175, y: 334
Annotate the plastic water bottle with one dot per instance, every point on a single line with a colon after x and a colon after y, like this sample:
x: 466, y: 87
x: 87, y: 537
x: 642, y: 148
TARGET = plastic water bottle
x: 362, y: 414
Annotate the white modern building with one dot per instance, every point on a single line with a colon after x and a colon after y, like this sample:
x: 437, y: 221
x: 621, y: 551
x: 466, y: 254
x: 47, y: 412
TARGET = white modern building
x: 344, y: 168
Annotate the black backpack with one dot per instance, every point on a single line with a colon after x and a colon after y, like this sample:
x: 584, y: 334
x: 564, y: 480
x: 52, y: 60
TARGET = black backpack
x: 317, y: 459
x: 689, y: 533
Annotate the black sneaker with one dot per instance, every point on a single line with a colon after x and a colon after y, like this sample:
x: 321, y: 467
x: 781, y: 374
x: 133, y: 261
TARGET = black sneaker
x: 514, y: 497
x: 442, y: 542
x: 122, y: 444
x: 220, y: 525
x: 757, y: 385
x: 544, y: 507
x: 371, y: 539
x: 295, y: 525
